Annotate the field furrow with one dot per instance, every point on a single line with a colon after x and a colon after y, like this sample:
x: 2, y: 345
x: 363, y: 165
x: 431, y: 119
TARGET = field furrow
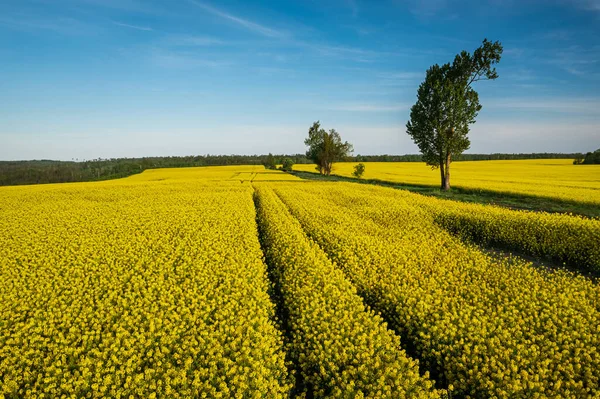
x: 490, y: 328
x: 341, y: 348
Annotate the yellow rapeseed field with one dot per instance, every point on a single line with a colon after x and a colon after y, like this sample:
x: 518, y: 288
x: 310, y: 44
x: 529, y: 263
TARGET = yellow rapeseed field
x: 214, y: 173
x: 488, y: 327
x: 120, y: 289
x: 241, y: 282
x: 340, y: 347
x: 553, y: 178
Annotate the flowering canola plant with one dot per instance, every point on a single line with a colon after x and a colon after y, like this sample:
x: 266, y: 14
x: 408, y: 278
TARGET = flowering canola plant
x: 570, y: 239
x: 342, y: 350
x: 156, y: 286
x: 130, y: 289
x: 486, y: 327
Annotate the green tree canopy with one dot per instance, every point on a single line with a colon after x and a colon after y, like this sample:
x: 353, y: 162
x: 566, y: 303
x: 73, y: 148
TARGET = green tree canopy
x: 447, y: 104
x: 269, y: 162
x: 287, y: 165
x: 592, y: 158
x: 325, y: 148
x: 359, y: 170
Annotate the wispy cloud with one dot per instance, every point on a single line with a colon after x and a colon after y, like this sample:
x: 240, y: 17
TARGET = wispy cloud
x: 515, y: 52
x: 192, y: 41
x: 519, y: 74
x: 446, y: 9
x: 402, y: 75
x: 341, y: 52
x: 182, y: 60
x: 244, y: 23
x: 353, y: 5
x: 137, y: 27
x: 427, y: 8
x: 396, y: 79
x: 136, y: 6
x: 369, y: 107
x: 578, y: 61
x: 545, y: 104
x: 592, y: 5
x: 60, y: 25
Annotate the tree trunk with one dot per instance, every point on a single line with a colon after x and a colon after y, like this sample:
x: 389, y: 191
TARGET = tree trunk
x: 442, y: 173
x: 446, y: 178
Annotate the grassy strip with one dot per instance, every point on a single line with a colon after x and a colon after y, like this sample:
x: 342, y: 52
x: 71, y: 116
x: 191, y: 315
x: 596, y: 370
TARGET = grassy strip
x: 342, y: 349
x: 507, y: 200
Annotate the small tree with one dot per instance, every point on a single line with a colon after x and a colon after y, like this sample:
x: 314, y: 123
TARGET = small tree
x: 287, y: 165
x: 325, y: 148
x: 359, y: 170
x: 269, y: 162
x: 447, y: 104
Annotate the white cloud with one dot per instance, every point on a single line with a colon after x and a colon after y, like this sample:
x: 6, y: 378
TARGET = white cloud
x: 245, y: 23
x: 578, y: 61
x: 192, y: 41
x: 182, y: 60
x: 124, y: 25
x: 354, y: 8
x: 593, y: 5
x: 369, y: 107
x: 555, y: 105
x: 60, y: 25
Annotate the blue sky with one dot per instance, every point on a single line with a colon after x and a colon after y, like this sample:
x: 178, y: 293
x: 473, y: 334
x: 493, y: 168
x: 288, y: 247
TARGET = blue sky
x: 82, y: 79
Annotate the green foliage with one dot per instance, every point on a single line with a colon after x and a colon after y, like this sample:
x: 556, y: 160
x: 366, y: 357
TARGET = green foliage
x: 287, y: 165
x: 465, y: 157
x: 269, y: 162
x: 325, y: 148
x: 447, y: 104
x: 592, y: 158
x: 359, y: 170
x: 47, y: 171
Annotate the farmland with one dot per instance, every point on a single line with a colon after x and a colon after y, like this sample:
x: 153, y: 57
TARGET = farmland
x: 244, y: 282
x: 556, y: 179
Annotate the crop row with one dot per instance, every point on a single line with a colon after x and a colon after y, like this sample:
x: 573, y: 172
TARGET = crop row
x: 489, y: 328
x: 556, y: 179
x: 342, y: 349
x: 565, y: 238
x: 570, y: 239
x: 135, y: 290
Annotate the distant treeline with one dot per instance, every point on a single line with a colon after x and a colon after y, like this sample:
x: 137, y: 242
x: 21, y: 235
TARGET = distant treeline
x: 46, y: 171
x: 591, y: 158
x: 466, y: 157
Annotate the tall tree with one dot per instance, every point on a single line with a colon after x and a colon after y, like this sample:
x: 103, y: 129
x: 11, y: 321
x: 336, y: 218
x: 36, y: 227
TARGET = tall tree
x: 325, y: 148
x: 447, y: 104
